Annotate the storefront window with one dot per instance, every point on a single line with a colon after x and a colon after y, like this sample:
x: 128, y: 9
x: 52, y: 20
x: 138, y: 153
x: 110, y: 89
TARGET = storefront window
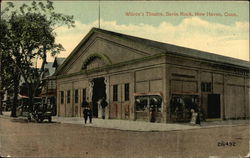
x: 148, y: 102
x: 141, y: 103
x: 155, y: 102
x: 181, y: 105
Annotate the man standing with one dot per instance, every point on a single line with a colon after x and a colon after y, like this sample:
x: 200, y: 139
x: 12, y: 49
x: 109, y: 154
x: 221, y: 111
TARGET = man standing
x: 153, y: 109
x: 104, y: 104
x: 85, y: 106
x: 198, y: 120
x: 89, y: 114
x: 85, y: 114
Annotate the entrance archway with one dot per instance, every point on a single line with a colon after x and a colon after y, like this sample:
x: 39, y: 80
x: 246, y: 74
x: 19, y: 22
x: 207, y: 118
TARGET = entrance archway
x: 99, y: 92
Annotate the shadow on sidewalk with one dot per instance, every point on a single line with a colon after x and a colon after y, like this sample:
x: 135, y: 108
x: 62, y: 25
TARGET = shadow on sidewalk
x: 25, y: 120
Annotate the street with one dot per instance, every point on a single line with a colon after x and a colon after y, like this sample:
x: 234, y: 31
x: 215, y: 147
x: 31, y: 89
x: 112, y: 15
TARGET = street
x: 18, y: 138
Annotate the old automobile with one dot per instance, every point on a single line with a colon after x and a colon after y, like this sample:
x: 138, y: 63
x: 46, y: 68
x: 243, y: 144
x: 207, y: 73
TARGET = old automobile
x: 41, y: 111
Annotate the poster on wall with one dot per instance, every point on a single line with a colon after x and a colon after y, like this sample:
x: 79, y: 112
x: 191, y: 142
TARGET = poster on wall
x: 139, y: 79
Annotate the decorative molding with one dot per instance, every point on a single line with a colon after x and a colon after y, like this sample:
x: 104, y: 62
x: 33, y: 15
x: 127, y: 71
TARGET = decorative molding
x: 90, y: 90
x: 112, y: 66
x: 94, y: 56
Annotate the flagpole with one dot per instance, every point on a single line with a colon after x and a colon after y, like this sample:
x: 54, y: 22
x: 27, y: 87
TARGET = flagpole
x: 99, y: 16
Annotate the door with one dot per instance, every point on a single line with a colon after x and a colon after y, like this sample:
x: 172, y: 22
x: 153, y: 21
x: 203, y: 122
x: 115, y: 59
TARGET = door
x: 116, y: 105
x: 99, y: 92
x: 213, y: 106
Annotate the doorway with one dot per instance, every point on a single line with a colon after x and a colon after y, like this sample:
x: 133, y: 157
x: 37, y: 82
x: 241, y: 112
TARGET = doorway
x: 213, y: 106
x: 99, y: 92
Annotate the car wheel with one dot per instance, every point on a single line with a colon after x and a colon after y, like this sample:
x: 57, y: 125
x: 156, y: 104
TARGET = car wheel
x: 40, y: 120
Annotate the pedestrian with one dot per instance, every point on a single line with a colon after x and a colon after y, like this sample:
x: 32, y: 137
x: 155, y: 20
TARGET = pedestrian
x: 152, y: 113
x: 195, y: 117
x: 104, y: 104
x: 89, y: 114
x: 198, y: 120
x: 85, y: 114
x: 85, y: 105
x: 153, y: 109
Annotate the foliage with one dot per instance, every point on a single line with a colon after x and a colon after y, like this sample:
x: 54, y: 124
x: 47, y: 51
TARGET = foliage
x: 29, y: 36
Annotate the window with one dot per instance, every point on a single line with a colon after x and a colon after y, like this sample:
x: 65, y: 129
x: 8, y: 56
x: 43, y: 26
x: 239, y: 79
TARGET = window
x: 206, y: 87
x: 155, y: 102
x: 84, y: 94
x: 115, y: 92
x: 148, y: 102
x: 209, y: 87
x: 76, y: 96
x: 141, y: 103
x: 126, y: 91
x: 203, y: 87
x: 68, y: 96
x: 181, y: 105
x: 62, y: 97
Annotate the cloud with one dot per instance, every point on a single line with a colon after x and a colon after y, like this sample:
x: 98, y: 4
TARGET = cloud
x: 196, y: 33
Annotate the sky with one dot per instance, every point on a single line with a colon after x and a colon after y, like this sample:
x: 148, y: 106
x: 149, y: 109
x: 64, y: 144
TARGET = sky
x: 216, y: 27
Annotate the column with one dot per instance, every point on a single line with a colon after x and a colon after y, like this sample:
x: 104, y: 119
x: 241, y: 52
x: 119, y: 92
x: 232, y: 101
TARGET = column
x: 224, y: 97
x: 167, y: 92
x: 131, y: 97
x: 107, y: 109
x: 164, y: 92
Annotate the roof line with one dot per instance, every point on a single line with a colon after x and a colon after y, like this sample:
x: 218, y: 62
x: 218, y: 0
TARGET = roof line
x: 168, y: 48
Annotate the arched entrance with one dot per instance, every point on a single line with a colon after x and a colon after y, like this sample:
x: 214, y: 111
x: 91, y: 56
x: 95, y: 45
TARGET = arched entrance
x: 99, y: 92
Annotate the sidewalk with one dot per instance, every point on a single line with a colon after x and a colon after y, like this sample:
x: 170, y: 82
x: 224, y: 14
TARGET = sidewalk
x: 143, y: 126
x: 147, y: 126
x: 126, y: 124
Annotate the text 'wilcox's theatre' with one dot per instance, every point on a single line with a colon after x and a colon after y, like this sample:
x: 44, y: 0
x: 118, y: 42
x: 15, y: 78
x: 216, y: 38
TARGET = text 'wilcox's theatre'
x: 133, y: 74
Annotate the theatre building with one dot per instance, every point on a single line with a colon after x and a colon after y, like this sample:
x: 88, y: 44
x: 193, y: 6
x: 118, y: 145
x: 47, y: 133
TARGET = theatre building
x: 141, y: 79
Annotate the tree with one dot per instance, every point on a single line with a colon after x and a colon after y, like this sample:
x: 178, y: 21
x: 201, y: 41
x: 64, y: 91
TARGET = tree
x: 30, y: 36
x: 3, y: 32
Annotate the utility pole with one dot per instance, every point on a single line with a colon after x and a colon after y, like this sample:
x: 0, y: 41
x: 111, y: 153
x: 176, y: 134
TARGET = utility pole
x: 1, y: 106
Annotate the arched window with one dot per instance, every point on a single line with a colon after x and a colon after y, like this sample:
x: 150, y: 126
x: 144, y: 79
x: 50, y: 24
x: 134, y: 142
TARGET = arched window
x: 96, y: 56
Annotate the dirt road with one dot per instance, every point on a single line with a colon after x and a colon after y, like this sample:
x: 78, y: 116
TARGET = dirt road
x: 19, y: 138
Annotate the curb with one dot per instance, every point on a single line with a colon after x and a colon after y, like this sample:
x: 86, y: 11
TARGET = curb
x: 77, y: 120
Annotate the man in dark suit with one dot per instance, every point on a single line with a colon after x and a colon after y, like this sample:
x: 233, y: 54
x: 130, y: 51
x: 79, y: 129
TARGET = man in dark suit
x: 85, y: 106
x: 85, y: 114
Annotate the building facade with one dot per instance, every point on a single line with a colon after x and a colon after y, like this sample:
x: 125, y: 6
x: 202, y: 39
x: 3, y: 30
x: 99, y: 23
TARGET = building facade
x: 48, y: 92
x: 140, y: 78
